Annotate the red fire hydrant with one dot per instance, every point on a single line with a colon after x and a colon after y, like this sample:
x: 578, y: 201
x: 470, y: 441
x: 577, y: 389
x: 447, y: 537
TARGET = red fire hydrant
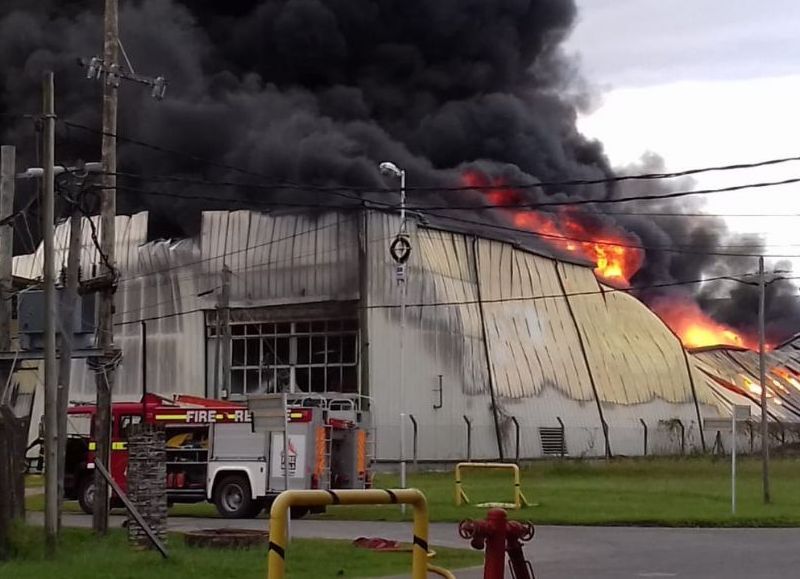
x: 497, y: 535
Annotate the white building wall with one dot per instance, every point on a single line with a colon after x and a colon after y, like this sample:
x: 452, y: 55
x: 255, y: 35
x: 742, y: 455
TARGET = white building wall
x: 557, y: 342
x: 550, y: 329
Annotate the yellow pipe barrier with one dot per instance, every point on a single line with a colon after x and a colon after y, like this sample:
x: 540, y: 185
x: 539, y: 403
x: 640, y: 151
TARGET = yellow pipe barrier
x: 441, y: 572
x: 519, y: 498
x: 279, y: 515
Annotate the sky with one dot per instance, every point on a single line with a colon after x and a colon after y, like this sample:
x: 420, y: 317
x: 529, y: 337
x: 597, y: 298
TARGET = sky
x: 701, y: 83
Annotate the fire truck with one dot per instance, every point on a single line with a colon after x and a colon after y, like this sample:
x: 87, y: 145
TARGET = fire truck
x: 213, y: 453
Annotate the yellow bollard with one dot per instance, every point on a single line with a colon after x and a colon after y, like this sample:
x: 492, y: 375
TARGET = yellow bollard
x: 441, y: 572
x: 279, y: 516
x: 519, y: 498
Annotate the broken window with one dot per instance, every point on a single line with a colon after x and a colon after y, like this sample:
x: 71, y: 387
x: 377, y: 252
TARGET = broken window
x: 317, y: 356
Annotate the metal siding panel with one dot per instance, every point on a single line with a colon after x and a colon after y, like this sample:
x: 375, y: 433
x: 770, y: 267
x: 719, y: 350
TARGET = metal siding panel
x: 533, y: 342
x: 653, y: 365
x: 275, y: 259
x: 512, y: 337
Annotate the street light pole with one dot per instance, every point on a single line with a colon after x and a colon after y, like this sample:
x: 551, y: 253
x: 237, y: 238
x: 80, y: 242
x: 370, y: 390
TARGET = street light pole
x: 762, y: 287
x: 403, y: 200
x: 392, y: 170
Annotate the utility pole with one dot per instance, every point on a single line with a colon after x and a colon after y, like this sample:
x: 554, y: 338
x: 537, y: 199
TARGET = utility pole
x: 109, y: 69
x: 762, y: 291
x: 68, y: 303
x: 108, y: 212
x: 50, y: 369
x: 7, y: 168
x: 11, y: 499
x: 225, y: 310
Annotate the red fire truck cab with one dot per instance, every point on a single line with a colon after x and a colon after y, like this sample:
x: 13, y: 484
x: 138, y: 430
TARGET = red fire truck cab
x: 214, y: 455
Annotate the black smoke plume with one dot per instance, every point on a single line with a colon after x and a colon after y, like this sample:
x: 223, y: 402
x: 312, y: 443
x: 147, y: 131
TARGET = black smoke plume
x: 317, y: 92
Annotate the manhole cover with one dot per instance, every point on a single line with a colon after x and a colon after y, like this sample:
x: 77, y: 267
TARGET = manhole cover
x: 226, y: 538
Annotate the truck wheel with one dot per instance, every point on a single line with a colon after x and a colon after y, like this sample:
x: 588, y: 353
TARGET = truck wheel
x: 233, y: 497
x: 86, y: 494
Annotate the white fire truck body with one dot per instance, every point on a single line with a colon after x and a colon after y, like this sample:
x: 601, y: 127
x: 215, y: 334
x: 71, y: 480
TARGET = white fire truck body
x: 214, y: 454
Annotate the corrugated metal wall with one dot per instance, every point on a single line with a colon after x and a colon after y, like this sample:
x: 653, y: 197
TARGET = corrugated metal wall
x: 155, y: 289
x: 550, y: 330
x: 537, y: 364
x: 169, y: 284
x: 733, y: 376
x: 282, y: 259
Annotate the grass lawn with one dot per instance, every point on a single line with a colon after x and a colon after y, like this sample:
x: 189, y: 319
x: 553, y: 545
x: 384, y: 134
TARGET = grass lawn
x: 34, y: 480
x: 81, y: 556
x: 671, y: 492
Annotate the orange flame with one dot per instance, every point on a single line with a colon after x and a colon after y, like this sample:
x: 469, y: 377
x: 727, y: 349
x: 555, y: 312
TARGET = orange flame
x: 788, y: 377
x: 695, y: 328
x: 570, y: 231
x: 616, y: 259
x: 754, y: 388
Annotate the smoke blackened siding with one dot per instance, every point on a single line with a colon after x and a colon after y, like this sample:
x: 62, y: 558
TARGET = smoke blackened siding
x: 319, y: 91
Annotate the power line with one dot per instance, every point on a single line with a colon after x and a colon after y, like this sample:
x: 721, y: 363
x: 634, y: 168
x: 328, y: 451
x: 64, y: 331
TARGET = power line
x: 246, y: 203
x: 604, y: 291
x: 244, y: 269
x: 294, y: 235
x: 533, y: 205
x: 93, y: 230
x: 286, y: 186
x: 162, y: 317
x: 607, y: 290
x: 437, y: 189
x: 254, y: 203
x: 721, y: 250
x: 259, y: 204
x: 726, y: 251
x: 226, y: 254
x: 161, y: 149
x: 13, y: 217
x: 678, y: 214
x: 278, y: 261
x: 659, y: 197
x: 671, y: 249
x: 26, y: 116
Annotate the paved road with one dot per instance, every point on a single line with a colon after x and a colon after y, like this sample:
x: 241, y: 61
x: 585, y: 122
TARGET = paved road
x: 583, y: 552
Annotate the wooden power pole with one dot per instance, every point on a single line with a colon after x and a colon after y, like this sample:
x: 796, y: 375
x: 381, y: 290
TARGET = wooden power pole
x: 108, y: 212
x: 12, y: 500
x: 50, y: 369
x: 112, y: 72
x: 68, y: 303
x: 762, y: 294
x: 7, y: 176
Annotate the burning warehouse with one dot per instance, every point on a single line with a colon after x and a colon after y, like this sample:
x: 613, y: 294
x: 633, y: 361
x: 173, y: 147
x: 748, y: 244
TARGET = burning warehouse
x: 732, y: 375
x: 502, y: 342
x: 514, y: 327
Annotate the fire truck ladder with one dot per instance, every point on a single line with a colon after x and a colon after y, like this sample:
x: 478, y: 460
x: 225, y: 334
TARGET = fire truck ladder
x: 319, y: 401
x: 371, y: 453
x: 328, y: 453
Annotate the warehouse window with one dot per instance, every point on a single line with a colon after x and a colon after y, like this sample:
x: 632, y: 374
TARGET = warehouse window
x: 316, y: 356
